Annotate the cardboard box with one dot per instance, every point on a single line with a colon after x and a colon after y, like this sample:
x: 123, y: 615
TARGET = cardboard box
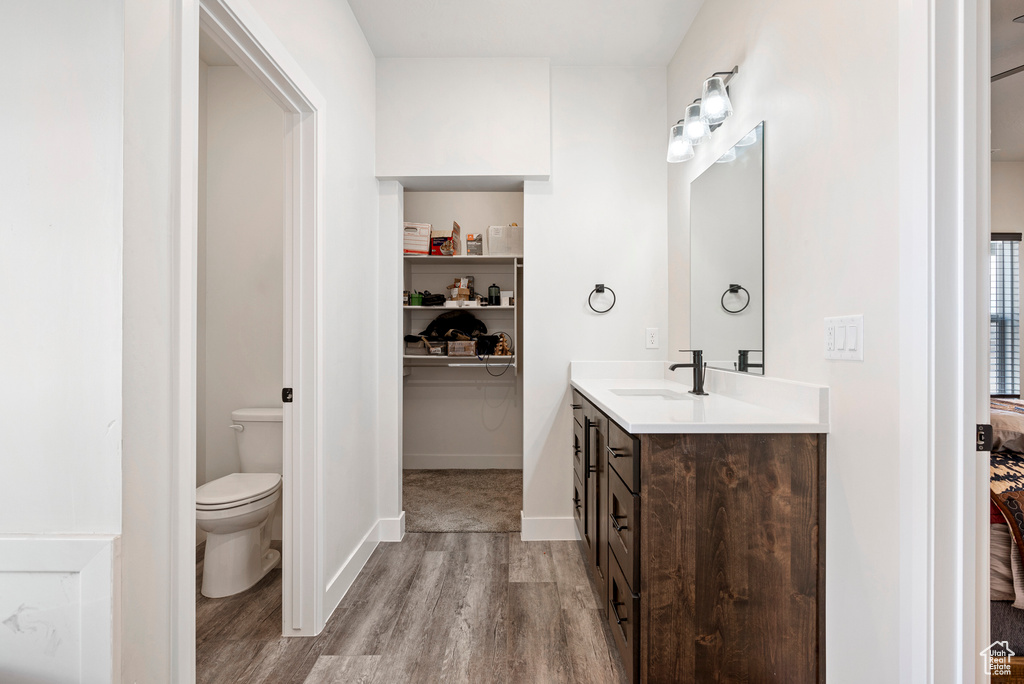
x: 416, y: 238
x: 440, y: 237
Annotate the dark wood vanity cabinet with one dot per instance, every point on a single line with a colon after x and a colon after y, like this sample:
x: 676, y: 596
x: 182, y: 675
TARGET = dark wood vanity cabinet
x: 707, y: 550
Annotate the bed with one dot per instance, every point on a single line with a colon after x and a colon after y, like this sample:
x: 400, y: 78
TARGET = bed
x: 1006, y: 485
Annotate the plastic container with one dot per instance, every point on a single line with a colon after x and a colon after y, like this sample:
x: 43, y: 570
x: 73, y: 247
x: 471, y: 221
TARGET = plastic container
x: 416, y: 299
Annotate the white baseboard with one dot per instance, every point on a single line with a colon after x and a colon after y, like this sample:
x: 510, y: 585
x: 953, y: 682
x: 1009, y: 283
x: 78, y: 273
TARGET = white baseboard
x: 70, y: 585
x: 392, y: 529
x: 346, y: 574
x: 548, y: 529
x: 458, y: 461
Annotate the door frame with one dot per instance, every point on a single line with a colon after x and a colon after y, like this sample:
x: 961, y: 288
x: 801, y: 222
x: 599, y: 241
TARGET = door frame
x: 944, y: 182
x: 237, y: 28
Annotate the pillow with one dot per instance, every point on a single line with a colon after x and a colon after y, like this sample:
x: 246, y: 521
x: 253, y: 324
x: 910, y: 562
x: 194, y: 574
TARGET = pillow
x: 1000, y: 551
x: 1007, y: 420
x: 1017, y: 569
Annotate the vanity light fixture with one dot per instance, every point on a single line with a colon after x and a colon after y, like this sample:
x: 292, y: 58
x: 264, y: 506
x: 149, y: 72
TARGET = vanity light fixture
x: 702, y: 117
x: 679, y: 148
x: 695, y: 130
x: 715, y: 106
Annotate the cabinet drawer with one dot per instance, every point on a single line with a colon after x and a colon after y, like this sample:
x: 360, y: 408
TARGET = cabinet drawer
x: 623, y: 527
x: 577, y: 407
x: 579, y: 454
x: 623, y: 451
x: 623, y: 612
x: 579, y: 506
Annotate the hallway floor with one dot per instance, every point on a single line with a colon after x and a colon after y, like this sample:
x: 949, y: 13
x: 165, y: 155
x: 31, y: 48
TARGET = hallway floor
x: 458, y: 607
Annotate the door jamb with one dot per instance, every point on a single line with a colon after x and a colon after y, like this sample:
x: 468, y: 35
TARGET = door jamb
x: 943, y: 133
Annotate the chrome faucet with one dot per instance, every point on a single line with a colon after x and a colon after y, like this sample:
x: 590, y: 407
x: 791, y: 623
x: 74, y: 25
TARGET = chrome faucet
x: 698, y: 370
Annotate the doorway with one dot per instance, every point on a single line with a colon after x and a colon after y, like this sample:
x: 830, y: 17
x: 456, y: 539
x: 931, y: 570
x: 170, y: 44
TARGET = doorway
x: 239, y: 32
x: 461, y: 323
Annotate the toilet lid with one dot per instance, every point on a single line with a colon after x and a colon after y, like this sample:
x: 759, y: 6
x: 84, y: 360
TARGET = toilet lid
x: 236, y: 487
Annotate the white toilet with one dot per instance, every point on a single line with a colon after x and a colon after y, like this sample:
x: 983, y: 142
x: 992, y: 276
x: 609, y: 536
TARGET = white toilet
x: 235, y: 510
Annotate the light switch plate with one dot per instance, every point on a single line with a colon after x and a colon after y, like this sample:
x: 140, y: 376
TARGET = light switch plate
x: 844, y: 338
x: 652, y: 338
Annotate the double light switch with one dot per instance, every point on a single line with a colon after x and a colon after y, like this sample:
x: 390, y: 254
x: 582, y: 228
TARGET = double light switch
x: 844, y: 338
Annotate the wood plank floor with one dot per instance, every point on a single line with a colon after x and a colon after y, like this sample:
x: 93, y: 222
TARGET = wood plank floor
x: 449, y: 607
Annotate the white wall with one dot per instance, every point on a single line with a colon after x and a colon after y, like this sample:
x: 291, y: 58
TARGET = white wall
x: 328, y: 45
x: 241, y: 242
x: 463, y: 117
x: 60, y: 303
x: 1007, y: 197
x: 60, y: 262
x: 204, y: 70
x: 488, y: 411
x: 831, y: 248
x: 600, y: 219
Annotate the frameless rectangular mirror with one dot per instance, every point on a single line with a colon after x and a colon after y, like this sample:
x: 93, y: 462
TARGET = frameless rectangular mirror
x: 727, y: 258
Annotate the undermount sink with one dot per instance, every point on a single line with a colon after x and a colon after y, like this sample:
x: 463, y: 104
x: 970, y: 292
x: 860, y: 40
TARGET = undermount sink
x: 652, y: 393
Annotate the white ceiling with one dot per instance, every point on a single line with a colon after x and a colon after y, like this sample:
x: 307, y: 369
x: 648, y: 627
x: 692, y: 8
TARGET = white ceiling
x: 578, y: 32
x: 1007, y: 93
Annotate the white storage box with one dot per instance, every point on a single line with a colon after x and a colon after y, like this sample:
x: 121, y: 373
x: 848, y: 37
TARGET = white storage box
x: 416, y: 238
x: 505, y: 240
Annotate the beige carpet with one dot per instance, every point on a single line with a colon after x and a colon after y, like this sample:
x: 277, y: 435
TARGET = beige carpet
x: 462, y: 500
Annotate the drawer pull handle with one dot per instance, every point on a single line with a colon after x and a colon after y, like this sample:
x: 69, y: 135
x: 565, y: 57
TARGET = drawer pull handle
x: 576, y: 407
x: 615, y: 522
x: 615, y: 452
x: 592, y: 469
x: 576, y: 502
x: 576, y: 449
x: 615, y: 612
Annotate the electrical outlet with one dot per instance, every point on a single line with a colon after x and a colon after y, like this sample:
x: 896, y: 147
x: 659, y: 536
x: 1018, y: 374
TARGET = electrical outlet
x: 652, y: 338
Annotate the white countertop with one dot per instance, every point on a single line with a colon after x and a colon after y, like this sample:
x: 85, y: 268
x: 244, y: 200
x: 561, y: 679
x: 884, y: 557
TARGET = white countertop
x: 736, y: 402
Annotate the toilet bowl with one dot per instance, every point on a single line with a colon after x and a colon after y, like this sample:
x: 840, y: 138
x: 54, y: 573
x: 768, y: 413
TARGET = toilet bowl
x: 235, y: 510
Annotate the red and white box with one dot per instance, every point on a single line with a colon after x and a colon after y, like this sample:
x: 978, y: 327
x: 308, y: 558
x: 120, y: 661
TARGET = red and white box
x: 416, y: 238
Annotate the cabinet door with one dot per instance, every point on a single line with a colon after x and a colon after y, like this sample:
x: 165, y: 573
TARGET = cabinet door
x: 579, y: 457
x: 623, y: 613
x: 597, y: 499
x: 579, y: 503
x: 590, y: 515
x: 623, y: 528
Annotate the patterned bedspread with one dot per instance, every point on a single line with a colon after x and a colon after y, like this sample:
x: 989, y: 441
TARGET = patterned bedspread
x: 1007, y: 465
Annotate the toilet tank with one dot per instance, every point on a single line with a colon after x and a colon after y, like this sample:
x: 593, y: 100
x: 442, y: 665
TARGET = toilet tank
x: 261, y: 439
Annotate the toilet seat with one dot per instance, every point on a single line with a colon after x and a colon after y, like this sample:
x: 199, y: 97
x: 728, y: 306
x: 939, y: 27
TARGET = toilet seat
x: 236, y: 489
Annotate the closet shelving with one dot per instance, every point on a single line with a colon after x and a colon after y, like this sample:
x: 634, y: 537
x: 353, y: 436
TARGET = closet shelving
x: 435, y: 273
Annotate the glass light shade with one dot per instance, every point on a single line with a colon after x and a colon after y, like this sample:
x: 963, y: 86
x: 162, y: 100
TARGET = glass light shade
x: 679, y: 149
x: 728, y: 156
x: 715, y: 106
x: 694, y: 130
x: 749, y: 139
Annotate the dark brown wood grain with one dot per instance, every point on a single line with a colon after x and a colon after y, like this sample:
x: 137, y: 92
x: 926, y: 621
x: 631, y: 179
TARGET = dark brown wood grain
x: 732, y: 578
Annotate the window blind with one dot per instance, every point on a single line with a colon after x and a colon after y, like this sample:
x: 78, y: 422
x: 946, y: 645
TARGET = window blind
x: 1004, y: 326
